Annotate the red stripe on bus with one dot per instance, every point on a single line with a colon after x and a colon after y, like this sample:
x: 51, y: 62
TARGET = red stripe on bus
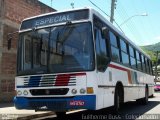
x: 64, y: 77
x: 78, y: 74
x: 123, y: 69
x: 117, y: 67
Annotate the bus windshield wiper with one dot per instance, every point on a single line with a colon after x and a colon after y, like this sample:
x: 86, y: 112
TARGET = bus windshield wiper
x: 63, y: 35
x: 65, y: 32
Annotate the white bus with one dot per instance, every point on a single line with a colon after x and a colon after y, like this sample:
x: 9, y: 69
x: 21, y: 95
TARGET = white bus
x: 76, y: 59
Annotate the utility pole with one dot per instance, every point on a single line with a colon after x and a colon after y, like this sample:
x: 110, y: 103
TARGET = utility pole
x: 113, y: 6
x: 51, y: 3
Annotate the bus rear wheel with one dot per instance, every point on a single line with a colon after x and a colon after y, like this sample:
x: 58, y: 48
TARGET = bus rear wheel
x: 144, y: 100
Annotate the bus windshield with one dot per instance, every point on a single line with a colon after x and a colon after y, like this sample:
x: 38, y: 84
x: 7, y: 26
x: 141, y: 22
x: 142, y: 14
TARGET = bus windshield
x: 66, y: 48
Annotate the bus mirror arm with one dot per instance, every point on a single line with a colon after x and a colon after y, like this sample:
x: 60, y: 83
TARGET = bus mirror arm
x: 104, y: 32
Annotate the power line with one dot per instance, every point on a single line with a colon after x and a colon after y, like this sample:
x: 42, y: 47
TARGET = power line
x: 105, y: 14
x: 131, y: 27
x: 99, y: 8
x: 119, y: 26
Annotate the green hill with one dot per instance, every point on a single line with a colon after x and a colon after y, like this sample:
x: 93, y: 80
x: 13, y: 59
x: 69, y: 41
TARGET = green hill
x: 154, y: 47
x: 151, y: 50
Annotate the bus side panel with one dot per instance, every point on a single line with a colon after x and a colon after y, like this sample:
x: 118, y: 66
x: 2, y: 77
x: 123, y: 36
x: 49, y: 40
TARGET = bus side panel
x: 99, y: 99
x: 141, y: 88
x: 145, y: 79
x: 93, y: 81
x: 124, y: 75
x: 109, y: 90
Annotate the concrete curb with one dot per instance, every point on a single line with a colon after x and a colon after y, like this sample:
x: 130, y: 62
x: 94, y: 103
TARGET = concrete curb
x: 36, y: 116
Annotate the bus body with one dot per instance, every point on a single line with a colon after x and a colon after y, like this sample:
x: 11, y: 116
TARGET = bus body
x: 76, y: 59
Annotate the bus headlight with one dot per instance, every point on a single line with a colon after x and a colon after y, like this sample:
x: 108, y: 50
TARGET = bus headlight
x: 25, y: 92
x: 82, y: 90
x: 19, y: 92
x: 74, y: 91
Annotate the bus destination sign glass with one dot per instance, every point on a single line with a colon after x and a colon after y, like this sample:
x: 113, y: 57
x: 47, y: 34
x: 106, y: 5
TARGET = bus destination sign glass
x: 55, y: 18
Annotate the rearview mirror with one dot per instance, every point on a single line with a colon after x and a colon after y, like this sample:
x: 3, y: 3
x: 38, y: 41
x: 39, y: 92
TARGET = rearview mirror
x: 104, y: 32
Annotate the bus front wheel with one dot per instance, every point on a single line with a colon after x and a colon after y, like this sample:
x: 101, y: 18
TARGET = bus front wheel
x: 116, y: 102
x: 118, y: 98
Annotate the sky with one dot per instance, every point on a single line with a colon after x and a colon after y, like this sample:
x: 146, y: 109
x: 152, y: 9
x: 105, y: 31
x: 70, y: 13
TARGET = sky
x: 142, y: 30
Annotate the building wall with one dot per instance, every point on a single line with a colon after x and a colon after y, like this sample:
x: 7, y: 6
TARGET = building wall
x: 12, y: 12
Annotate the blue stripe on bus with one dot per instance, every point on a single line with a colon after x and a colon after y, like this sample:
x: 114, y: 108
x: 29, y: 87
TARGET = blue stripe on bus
x: 34, y: 80
x: 57, y: 103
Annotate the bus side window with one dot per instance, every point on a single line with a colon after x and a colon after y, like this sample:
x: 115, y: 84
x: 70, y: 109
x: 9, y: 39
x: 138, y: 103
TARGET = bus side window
x: 101, y: 50
x: 132, y: 57
x: 124, y: 52
x: 143, y: 63
x: 115, y: 54
x: 148, y: 65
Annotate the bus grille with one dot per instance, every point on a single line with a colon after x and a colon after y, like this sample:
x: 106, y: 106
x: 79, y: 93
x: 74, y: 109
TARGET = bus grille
x: 50, y: 80
x: 56, y: 91
x: 48, y: 105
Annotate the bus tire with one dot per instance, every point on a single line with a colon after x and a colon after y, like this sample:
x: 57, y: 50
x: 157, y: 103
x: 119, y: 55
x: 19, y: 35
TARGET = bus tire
x: 118, y: 98
x: 116, y: 101
x: 145, y: 99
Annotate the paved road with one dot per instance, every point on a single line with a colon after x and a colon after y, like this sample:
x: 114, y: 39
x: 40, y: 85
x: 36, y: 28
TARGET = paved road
x: 130, y: 110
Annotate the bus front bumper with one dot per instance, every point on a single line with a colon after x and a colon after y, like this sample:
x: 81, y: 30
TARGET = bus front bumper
x: 56, y: 104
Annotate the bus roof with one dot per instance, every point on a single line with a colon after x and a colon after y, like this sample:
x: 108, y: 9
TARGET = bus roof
x: 68, y: 10
x: 93, y: 11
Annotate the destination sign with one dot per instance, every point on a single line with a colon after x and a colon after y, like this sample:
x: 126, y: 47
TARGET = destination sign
x: 55, y: 18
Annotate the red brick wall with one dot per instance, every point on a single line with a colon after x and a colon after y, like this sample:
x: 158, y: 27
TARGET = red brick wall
x: 17, y: 10
x: 14, y: 12
x: 8, y: 64
x: 7, y: 86
x: 9, y: 29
